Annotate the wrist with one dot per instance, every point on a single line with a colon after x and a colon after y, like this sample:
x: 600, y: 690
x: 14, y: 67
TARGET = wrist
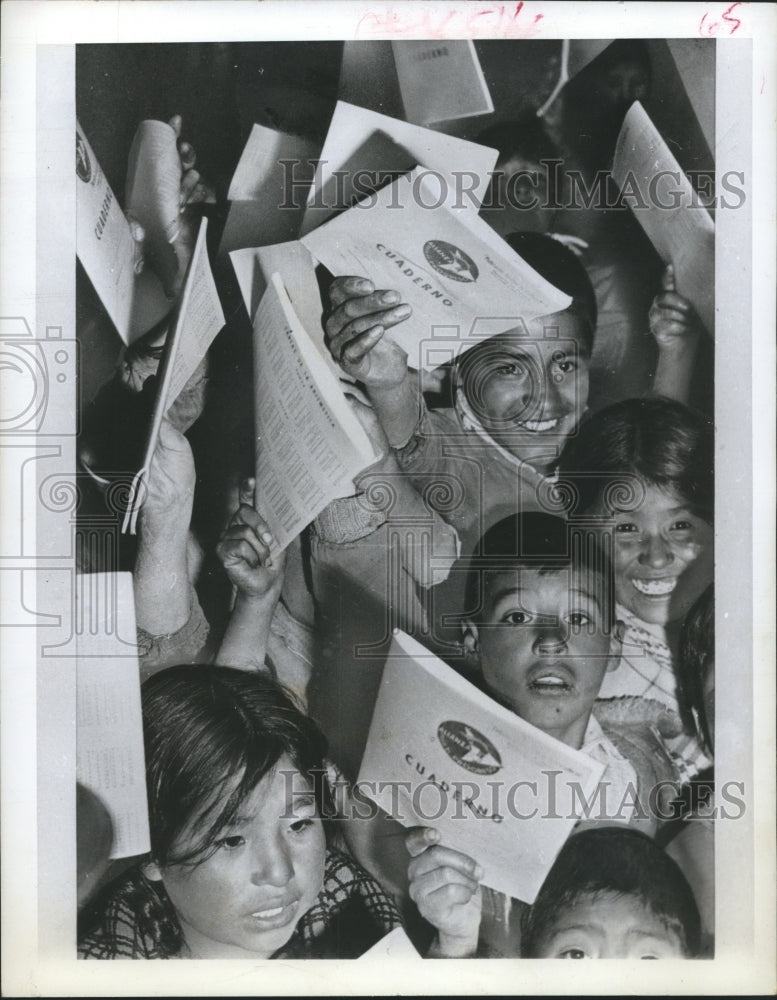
x: 681, y: 348
x: 253, y: 601
x: 454, y: 946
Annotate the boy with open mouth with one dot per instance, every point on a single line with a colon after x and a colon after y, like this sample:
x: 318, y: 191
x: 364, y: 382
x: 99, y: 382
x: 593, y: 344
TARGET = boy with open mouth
x: 539, y: 622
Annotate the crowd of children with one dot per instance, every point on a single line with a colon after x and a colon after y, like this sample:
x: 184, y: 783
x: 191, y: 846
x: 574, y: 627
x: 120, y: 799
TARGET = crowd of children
x: 567, y: 487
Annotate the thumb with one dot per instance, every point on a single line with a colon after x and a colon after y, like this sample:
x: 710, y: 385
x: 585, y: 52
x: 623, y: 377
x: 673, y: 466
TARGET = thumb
x: 418, y: 838
x: 668, y: 283
x: 247, y: 487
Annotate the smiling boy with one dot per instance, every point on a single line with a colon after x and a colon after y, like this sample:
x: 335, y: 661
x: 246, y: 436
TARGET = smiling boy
x: 516, y: 396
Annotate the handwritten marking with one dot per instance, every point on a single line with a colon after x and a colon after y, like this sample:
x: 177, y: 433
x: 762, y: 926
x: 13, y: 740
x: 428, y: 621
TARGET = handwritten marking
x: 498, y: 21
x: 711, y: 28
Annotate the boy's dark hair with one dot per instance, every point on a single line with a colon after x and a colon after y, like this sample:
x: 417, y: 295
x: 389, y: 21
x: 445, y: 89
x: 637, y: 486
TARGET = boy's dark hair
x: 523, y: 137
x: 638, y: 442
x: 540, y: 541
x: 620, y: 861
x: 696, y: 654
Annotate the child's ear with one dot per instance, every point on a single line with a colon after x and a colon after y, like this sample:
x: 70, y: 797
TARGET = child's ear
x: 616, y: 645
x: 152, y: 871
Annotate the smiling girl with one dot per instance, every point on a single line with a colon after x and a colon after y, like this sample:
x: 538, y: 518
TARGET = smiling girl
x: 239, y: 864
x: 644, y: 469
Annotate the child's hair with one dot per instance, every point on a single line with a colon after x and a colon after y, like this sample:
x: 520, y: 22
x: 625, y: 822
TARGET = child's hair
x: 524, y: 139
x: 540, y: 541
x: 635, y: 443
x: 696, y: 655
x: 208, y: 729
x: 618, y: 861
x: 211, y: 734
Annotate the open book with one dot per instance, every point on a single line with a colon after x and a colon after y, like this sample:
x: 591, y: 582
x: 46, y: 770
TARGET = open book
x: 441, y: 753
x: 104, y: 244
x: 463, y: 281
x: 109, y: 724
x: 196, y: 321
x: 668, y: 209
x: 365, y: 150
x: 309, y: 443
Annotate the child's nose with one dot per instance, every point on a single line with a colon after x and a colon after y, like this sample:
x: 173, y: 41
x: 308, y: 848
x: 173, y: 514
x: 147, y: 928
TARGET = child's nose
x: 656, y: 552
x: 272, y: 864
x: 550, y: 639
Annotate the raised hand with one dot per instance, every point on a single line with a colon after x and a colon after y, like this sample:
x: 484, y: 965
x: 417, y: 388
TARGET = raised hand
x: 445, y: 886
x: 355, y: 330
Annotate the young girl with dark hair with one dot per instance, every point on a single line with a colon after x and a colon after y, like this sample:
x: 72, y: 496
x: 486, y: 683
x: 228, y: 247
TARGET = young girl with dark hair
x: 239, y: 865
x: 644, y: 469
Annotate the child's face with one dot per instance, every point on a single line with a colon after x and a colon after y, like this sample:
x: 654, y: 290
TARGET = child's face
x: 664, y: 557
x: 543, y: 648
x: 607, y: 925
x: 245, y: 900
x: 530, y: 387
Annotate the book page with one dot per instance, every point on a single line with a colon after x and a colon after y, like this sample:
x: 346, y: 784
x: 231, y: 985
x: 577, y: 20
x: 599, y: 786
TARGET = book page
x: 109, y: 724
x: 395, y: 944
x: 441, y: 753
x: 441, y: 80
x: 362, y: 146
x: 309, y: 444
x: 668, y: 209
x: 269, y: 189
x: 459, y: 276
x: 199, y: 317
x: 105, y: 247
x: 254, y: 267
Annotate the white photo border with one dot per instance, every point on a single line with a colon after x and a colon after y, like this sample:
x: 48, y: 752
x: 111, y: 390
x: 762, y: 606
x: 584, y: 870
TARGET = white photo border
x: 37, y: 295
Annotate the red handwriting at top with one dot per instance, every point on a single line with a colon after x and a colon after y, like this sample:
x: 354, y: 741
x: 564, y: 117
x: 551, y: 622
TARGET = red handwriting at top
x: 479, y: 21
x: 727, y: 23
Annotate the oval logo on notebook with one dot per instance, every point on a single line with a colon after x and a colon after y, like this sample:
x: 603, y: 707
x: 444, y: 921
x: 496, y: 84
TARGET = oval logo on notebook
x: 83, y: 164
x: 449, y: 261
x: 468, y: 747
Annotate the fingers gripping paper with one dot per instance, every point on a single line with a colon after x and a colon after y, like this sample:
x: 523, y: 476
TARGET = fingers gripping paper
x: 441, y: 753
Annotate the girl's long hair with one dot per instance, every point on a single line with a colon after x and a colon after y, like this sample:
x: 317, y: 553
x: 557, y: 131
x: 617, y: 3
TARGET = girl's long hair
x: 211, y: 734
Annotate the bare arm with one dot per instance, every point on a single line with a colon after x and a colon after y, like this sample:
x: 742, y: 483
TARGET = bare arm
x: 244, y: 550
x: 161, y: 579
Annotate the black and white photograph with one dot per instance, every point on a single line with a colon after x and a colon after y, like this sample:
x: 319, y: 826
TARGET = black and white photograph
x: 388, y: 496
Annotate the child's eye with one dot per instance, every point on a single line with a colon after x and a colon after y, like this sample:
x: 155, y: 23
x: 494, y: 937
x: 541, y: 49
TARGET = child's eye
x: 626, y: 528
x: 573, y: 953
x: 302, y: 824
x: 516, y: 618
x: 578, y: 618
x: 233, y: 841
x: 682, y: 526
x: 510, y: 368
x: 565, y: 366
